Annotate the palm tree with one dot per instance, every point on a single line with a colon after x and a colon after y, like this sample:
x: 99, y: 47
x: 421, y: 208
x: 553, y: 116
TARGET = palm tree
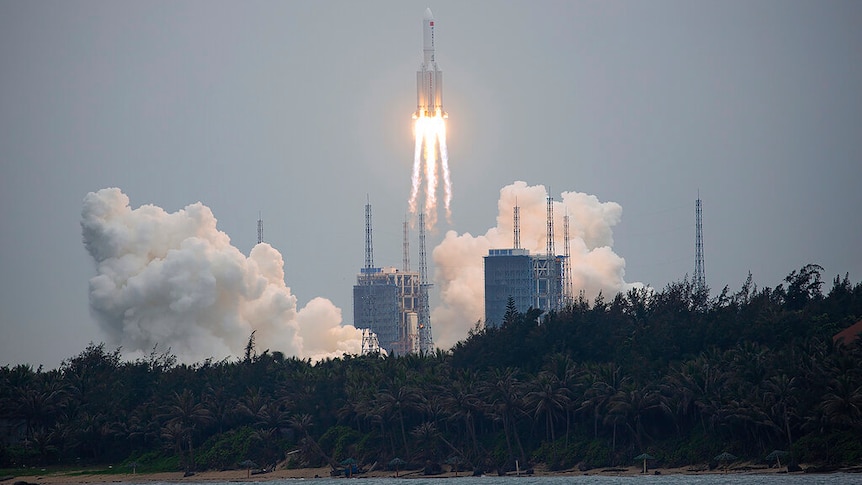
x: 547, y: 397
x: 252, y: 404
x: 351, y: 408
x: 636, y: 405
x: 503, y: 394
x: 429, y: 437
x: 88, y: 433
x: 394, y: 401
x: 185, y: 410
x: 174, y: 433
x: 220, y: 406
x: 567, y: 373
x: 39, y: 402
x: 463, y: 404
x: 303, y: 423
x: 604, y: 381
x: 842, y: 404
x: 780, y: 391
x: 273, y: 416
x: 426, y: 435
x: 696, y: 387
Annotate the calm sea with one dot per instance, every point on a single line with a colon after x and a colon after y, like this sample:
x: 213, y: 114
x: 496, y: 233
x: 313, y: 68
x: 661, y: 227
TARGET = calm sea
x: 733, y: 479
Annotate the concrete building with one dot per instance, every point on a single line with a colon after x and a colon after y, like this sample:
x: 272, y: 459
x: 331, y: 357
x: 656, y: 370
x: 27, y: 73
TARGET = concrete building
x: 532, y: 281
x: 386, y: 301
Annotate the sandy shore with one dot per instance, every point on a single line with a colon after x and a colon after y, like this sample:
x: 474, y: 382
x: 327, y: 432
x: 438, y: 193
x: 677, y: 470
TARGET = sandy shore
x: 281, y: 474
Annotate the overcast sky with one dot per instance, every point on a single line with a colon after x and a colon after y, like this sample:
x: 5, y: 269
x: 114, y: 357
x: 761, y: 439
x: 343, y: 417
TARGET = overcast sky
x: 301, y: 109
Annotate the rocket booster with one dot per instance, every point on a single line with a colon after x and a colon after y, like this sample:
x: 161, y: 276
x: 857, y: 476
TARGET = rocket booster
x: 429, y: 79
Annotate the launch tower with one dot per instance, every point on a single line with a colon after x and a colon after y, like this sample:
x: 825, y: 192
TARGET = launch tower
x: 388, y: 302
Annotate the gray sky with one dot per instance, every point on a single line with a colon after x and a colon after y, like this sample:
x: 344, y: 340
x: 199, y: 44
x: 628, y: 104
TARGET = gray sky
x: 300, y: 109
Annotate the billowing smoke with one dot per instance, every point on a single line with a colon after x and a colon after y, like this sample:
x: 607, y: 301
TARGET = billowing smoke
x: 459, y: 258
x: 175, y: 280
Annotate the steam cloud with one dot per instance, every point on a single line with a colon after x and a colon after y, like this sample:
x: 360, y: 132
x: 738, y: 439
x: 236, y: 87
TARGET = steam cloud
x: 175, y: 280
x: 460, y: 267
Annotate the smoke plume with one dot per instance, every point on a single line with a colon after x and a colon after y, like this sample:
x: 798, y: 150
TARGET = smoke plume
x: 459, y: 258
x: 175, y: 280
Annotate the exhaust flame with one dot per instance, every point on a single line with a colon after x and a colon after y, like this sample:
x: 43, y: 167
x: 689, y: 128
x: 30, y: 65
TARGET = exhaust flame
x: 430, y: 136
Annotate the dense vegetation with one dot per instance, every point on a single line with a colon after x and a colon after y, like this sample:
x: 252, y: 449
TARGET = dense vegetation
x: 675, y: 373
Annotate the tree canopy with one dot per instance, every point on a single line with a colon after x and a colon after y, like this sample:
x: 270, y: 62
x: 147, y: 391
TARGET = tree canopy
x: 681, y: 375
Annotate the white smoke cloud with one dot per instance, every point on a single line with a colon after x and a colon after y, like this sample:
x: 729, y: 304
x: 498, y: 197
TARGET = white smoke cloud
x: 459, y: 258
x: 175, y: 280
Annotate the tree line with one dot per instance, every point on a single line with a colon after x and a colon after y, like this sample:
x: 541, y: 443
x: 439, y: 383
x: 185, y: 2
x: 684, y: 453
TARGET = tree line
x: 676, y: 373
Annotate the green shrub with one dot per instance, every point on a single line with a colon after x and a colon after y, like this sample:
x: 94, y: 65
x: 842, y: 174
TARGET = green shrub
x: 597, y: 454
x: 226, y: 450
x: 150, y: 462
x: 835, y: 448
x: 338, y: 442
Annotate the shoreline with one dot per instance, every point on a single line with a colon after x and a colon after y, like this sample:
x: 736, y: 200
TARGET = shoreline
x: 82, y: 477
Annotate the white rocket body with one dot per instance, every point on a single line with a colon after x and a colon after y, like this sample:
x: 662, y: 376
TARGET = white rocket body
x: 429, y: 79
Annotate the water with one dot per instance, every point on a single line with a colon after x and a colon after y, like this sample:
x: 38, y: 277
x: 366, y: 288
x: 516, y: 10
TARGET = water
x: 730, y: 479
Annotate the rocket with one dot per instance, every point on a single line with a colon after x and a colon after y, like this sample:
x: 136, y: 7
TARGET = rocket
x: 429, y: 78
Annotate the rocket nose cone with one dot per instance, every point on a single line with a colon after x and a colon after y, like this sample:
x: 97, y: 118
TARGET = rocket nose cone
x: 428, y: 14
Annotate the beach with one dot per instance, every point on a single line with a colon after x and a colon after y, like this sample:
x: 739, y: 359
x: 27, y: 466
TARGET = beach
x: 82, y: 477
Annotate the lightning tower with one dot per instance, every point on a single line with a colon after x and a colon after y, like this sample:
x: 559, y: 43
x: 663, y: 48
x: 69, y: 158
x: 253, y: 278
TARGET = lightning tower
x: 699, y: 270
x: 568, y: 298
x: 259, y: 228
x: 550, y: 245
x: 405, y: 246
x: 370, y: 344
x: 516, y: 223
x: 426, y: 342
x: 369, y: 249
x: 553, y: 296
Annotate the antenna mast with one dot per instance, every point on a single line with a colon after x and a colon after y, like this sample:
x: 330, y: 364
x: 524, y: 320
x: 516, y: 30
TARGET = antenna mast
x: 369, y: 309
x: 423, y: 263
x: 567, y: 265
x: 699, y: 270
x: 553, y: 289
x: 405, y: 263
x: 550, y: 227
x: 517, y: 225
x: 369, y: 251
x: 259, y: 228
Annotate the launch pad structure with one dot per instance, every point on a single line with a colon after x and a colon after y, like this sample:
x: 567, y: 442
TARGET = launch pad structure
x: 539, y: 281
x: 390, y: 305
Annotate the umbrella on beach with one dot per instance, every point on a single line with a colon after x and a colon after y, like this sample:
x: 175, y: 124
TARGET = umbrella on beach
x: 248, y: 465
x: 350, y: 463
x: 455, y: 461
x: 645, y: 457
x: 397, y: 463
x: 776, y: 455
x: 724, y: 458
